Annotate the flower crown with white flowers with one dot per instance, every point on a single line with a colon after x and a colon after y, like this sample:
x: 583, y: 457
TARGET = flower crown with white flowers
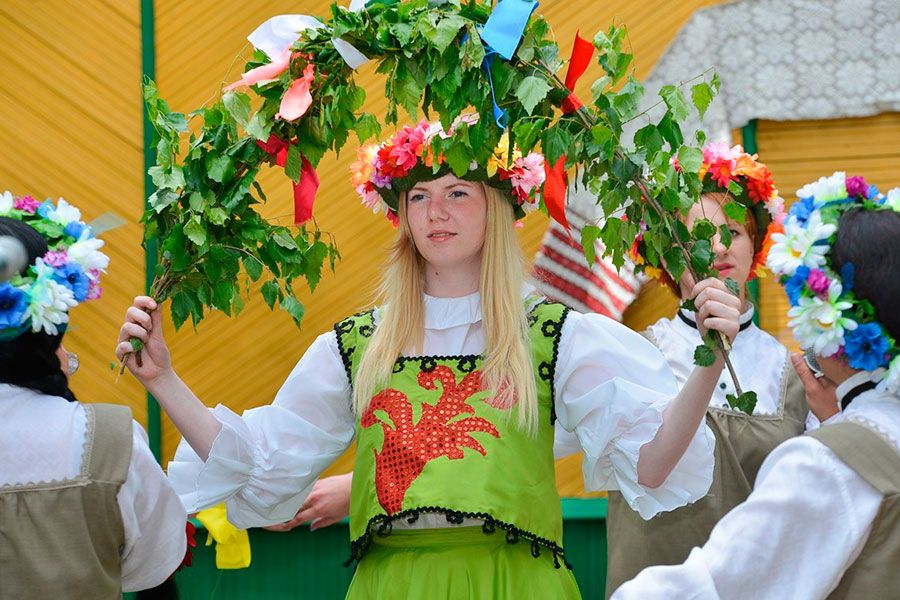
x: 826, y: 315
x: 67, y: 275
x: 382, y: 172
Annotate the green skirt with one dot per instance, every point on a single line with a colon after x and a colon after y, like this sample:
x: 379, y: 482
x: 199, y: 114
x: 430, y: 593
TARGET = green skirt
x: 460, y: 563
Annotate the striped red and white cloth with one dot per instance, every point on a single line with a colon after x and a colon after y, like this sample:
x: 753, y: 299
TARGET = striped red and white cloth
x: 561, y: 272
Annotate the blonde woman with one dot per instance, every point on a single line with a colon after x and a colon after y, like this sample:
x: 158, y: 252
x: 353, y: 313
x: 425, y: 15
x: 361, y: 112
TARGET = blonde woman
x: 451, y: 387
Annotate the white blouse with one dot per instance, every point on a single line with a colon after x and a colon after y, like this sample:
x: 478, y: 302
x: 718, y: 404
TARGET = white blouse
x: 758, y: 359
x: 42, y: 439
x: 611, y: 388
x: 803, y: 526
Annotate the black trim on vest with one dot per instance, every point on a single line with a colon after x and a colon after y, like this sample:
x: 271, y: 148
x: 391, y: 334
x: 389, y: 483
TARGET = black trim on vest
x: 382, y: 525
x: 856, y: 391
x: 344, y: 327
x: 547, y: 371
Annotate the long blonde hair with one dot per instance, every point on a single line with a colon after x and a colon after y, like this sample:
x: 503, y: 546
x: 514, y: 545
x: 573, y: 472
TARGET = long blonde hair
x: 507, y: 369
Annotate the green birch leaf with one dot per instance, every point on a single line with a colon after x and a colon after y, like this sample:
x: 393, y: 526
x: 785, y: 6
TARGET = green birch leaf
x: 531, y: 91
x: 732, y: 286
x: 702, y: 96
x: 725, y: 235
x: 285, y: 241
x: 675, y: 100
x: 260, y: 126
x: 735, y: 211
x: 253, y: 267
x: 745, y: 403
x: 447, y: 30
x: 589, y: 236
x: 238, y: 106
x: 293, y: 307
x: 294, y: 163
x: 195, y: 230
x: 704, y: 356
x: 690, y: 159
x: 271, y: 291
x: 219, y: 168
x: 703, y: 229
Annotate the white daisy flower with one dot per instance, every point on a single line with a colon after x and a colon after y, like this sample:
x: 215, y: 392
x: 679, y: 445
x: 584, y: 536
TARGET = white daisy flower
x: 50, y: 301
x: 6, y: 203
x: 892, y: 200
x: 797, y: 245
x: 826, y: 188
x: 819, y: 323
x: 64, y: 213
x: 891, y: 381
x: 86, y: 253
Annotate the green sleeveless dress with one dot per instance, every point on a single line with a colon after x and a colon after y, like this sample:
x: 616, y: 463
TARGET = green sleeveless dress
x: 433, y: 442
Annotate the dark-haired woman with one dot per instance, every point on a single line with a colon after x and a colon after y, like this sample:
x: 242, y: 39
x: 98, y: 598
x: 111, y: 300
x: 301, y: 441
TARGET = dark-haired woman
x: 85, y: 510
x: 823, y: 520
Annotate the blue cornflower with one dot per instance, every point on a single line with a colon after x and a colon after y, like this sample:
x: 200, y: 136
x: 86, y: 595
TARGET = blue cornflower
x: 73, y: 277
x: 13, y: 306
x: 45, y: 208
x: 866, y: 347
x: 794, y: 285
x: 75, y: 229
x: 802, y: 208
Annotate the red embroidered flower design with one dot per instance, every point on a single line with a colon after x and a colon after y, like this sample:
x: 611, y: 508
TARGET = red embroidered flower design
x: 409, y: 446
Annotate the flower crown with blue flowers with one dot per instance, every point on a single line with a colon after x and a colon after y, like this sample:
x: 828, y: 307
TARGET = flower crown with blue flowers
x: 825, y: 313
x: 67, y: 275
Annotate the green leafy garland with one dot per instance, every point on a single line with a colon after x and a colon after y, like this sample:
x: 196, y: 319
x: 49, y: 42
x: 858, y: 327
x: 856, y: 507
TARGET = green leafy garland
x: 431, y: 54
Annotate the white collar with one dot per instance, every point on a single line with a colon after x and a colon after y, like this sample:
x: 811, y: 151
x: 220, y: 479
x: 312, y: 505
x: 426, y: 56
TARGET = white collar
x: 855, y: 380
x: 688, y: 318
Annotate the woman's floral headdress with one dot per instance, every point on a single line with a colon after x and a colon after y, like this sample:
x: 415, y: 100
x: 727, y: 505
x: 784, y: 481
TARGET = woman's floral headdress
x: 746, y: 181
x: 383, y: 171
x: 825, y: 314
x: 67, y: 275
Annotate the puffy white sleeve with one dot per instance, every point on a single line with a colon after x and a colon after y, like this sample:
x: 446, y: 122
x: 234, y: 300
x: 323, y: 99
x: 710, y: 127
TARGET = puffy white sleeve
x: 611, y: 388
x: 263, y: 463
x: 153, y: 519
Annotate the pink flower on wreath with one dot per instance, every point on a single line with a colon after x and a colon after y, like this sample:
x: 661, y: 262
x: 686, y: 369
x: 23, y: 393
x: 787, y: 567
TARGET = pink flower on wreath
x: 56, y: 259
x: 371, y: 199
x: 720, y: 163
x: 362, y: 167
x: 408, y: 145
x: 528, y: 173
x: 26, y: 204
x: 818, y: 282
x: 856, y: 186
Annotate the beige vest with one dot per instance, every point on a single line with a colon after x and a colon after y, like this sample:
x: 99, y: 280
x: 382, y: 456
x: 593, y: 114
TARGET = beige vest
x: 742, y: 443
x: 876, y: 572
x: 63, y: 539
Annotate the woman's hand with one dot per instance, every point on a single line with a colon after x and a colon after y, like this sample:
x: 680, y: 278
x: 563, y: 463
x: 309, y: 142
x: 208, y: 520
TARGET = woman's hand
x: 327, y: 503
x: 717, y: 308
x: 147, y: 328
x: 821, y: 392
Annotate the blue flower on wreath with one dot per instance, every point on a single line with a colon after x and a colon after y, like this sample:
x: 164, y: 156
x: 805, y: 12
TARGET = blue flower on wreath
x: 794, y: 286
x: 872, y: 193
x: 802, y: 209
x: 76, y: 228
x: 45, y: 209
x: 13, y: 306
x: 866, y: 347
x: 73, y: 277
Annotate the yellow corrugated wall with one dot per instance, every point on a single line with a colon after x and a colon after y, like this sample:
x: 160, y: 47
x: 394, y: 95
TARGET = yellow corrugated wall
x: 70, y: 125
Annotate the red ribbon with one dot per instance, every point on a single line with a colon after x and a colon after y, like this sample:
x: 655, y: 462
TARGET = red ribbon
x: 305, y: 189
x: 582, y: 52
x: 555, y: 191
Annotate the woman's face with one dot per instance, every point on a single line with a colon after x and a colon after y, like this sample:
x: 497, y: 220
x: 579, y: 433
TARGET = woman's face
x: 447, y: 219
x: 733, y: 262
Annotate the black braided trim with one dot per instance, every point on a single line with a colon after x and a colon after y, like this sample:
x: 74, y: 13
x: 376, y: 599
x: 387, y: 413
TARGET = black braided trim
x: 464, y: 362
x: 562, y: 319
x: 381, y: 525
x: 340, y: 329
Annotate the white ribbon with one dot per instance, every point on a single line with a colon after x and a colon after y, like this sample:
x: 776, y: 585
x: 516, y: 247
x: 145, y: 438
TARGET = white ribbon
x: 277, y: 34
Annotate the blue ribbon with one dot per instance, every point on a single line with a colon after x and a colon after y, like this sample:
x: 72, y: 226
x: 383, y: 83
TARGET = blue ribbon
x: 503, y: 30
x: 501, y: 36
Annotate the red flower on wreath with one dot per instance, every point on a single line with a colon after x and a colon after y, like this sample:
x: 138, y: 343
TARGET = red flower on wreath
x: 409, y: 446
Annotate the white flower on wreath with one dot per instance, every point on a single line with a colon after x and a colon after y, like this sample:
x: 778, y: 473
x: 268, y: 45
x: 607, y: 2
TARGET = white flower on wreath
x: 826, y: 188
x: 7, y: 200
x: 50, y: 301
x: 797, y: 245
x: 892, y: 199
x: 891, y: 381
x: 818, y: 323
x: 64, y: 213
x: 86, y: 253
